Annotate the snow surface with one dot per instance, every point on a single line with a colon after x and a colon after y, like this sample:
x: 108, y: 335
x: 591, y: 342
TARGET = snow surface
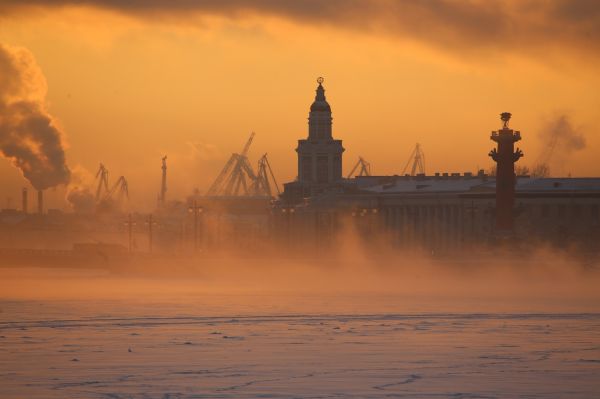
x: 76, y: 350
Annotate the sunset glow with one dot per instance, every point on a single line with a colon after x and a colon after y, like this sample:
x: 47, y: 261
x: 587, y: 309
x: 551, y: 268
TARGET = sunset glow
x: 128, y: 84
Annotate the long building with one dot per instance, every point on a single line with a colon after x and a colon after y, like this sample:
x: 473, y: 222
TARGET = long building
x: 444, y: 212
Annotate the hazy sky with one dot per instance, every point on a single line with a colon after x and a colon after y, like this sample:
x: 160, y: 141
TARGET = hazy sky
x: 127, y: 84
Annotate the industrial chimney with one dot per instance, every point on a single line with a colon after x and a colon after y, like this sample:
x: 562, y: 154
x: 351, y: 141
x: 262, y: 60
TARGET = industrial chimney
x: 40, y: 202
x: 24, y: 200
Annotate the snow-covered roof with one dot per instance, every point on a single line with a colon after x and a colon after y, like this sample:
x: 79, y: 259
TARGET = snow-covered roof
x: 559, y: 184
x: 472, y: 183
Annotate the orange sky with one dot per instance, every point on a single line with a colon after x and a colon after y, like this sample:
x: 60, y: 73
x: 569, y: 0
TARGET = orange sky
x: 129, y: 85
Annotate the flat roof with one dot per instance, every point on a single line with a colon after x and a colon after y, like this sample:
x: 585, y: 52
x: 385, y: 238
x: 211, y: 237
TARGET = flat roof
x: 463, y: 184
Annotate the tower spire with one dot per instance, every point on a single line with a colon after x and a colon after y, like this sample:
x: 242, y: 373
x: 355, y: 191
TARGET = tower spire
x: 320, y: 90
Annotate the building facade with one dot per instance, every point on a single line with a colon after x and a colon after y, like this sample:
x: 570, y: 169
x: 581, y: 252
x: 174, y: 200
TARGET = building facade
x: 441, y: 213
x: 319, y: 155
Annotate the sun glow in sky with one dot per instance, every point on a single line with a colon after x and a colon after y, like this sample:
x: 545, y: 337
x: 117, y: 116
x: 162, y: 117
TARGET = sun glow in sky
x: 128, y: 84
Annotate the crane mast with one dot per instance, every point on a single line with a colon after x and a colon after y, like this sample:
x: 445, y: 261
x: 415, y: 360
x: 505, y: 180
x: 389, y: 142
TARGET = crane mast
x: 365, y: 168
x: 264, y: 177
x: 105, y: 195
x: 417, y: 157
x: 102, y: 177
x: 237, y: 177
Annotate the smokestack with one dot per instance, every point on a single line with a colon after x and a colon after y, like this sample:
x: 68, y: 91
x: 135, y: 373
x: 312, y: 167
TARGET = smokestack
x: 40, y: 202
x: 24, y: 200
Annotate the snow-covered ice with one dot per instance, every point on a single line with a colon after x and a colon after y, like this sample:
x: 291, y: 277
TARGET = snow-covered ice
x: 54, y: 349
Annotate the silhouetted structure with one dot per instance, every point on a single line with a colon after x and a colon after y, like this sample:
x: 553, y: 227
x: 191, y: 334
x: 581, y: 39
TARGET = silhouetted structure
x: 417, y: 159
x: 320, y: 155
x: 237, y: 176
x: 505, y: 157
x: 363, y: 167
x: 163, y: 185
x: 442, y: 213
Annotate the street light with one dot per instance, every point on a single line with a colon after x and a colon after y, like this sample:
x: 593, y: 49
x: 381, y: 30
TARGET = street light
x: 196, y: 210
x: 360, y: 211
x: 364, y: 211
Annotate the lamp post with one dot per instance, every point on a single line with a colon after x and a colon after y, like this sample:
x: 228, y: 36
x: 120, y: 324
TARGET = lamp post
x: 150, y: 222
x: 130, y: 223
x: 196, y: 210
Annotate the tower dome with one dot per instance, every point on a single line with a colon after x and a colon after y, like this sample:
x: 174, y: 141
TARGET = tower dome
x: 320, y: 104
x: 319, y: 117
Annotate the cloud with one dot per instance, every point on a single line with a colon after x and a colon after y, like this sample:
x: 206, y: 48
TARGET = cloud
x: 502, y: 25
x: 28, y: 134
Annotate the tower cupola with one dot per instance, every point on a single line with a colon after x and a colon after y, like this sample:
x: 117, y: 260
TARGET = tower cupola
x: 320, y: 104
x: 319, y: 118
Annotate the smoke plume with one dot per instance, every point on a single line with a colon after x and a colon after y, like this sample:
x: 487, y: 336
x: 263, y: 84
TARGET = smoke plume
x: 561, y: 138
x: 562, y: 134
x: 28, y: 134
x: 80, y: 195
x: 81, y: 200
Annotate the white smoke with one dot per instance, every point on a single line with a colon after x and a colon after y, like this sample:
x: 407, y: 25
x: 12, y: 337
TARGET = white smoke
x: 28, y: 134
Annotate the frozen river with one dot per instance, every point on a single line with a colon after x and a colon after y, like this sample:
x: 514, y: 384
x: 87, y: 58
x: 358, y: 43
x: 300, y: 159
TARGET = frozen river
x: 300, y: 333
x: 67, y: 350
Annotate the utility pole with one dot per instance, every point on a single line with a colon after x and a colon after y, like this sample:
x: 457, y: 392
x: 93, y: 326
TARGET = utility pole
x: 150, y: 222
x: 130, y: 223
x: 163, y: 186
x: 196, y: 210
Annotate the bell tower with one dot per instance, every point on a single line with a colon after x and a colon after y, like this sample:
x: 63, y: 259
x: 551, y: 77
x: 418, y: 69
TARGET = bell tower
x: 320, y: 155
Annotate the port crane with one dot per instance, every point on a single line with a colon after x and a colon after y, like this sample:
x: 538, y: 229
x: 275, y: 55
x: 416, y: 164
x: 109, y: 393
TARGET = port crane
x: 264, y: 177
x: 236, y: 177
x: 105, y: 195
x: 417, y: 157
x: 102, y: 177
x: 121, y: 188
x: 365, y: 168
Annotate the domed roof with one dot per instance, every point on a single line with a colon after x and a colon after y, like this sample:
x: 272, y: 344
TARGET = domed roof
x: 320, y: 103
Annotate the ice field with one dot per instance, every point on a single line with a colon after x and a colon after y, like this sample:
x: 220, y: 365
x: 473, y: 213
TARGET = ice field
x: 250, y: 330
x: 65, y: 350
